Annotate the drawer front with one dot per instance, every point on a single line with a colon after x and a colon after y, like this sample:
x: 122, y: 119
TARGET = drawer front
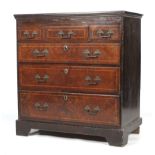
x: 70, y: 53
x: 105, y: 33
x: 70, y: 78
x: 92, y: 109
x: 66, y: 33
x: 30, y: 34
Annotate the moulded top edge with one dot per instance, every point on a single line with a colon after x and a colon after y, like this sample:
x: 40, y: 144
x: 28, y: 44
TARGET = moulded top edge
x: 107, y: 13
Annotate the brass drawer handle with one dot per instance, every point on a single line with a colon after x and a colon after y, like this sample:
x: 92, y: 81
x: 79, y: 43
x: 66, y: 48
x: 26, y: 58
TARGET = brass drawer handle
x: 41, y: 107
x: 104, y: 33
x: 64, y: 35
x: 38, y: 78
x: 91, y: 81
x: 90, y: 111
x: 89, y: 54
x: 38, y: 53
x: 27, y: 35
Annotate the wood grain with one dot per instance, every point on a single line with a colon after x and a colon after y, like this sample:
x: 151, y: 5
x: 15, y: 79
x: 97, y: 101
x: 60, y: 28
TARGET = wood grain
x: 75, y: 53
x: 115, y: 29
x: 65, y: 87
x: 74, y: 80
x: 71, y: 109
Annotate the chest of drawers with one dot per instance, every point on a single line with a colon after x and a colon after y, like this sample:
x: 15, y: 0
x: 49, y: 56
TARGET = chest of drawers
x: 79, y: 74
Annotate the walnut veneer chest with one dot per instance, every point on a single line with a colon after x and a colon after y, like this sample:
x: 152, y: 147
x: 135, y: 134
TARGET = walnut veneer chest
x: 79, y: 74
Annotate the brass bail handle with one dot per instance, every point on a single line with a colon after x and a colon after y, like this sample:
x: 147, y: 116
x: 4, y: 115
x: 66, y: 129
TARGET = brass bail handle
x: 67, y: 35
x: 29, y: 35
x: 38, y: 53
x: 38, y: 78
x: 104, y: 33
x: 41, y: 106
x: 88, y: 54
x: 92, y: 81
x: 90, y: 111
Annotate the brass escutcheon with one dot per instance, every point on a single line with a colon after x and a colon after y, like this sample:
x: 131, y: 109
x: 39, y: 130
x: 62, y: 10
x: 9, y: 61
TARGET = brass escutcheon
x: 65, y: 97
x: 66, y: 48
x: 66, y: 71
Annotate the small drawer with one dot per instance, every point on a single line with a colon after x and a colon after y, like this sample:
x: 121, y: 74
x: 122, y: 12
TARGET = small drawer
x: 108, y: 53
x: 70, y: 78
x: 66, y: 33
x: 84, y: 108
x: 30, y: 34
x: 105, y: 32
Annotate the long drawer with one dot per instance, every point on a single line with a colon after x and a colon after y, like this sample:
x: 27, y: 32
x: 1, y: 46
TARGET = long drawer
x: 85, y: 53
x: 85, y: 108
x: 69, y: 78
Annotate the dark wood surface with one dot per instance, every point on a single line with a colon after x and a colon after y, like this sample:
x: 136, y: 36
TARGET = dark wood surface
x: 65, y: 95
x: 131, y: 71
x: 114, y: 136
x: 121, y: 13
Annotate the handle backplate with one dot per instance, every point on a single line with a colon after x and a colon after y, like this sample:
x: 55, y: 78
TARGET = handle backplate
x: 90, y: 111
x: 92, y: 81
x: 67, y: 35
x: 38, y: 78
x: 104, y: 33
x: 29, y: 35
x: 38, y: 53
x: 41, y: 106
x: 89, y: 54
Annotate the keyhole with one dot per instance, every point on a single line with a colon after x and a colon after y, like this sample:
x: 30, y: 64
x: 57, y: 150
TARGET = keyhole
x: 65, y: 48
x: 66, y: 70
x: 65, y: 97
